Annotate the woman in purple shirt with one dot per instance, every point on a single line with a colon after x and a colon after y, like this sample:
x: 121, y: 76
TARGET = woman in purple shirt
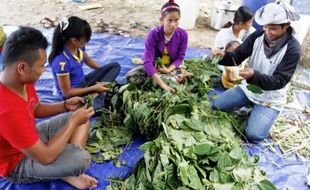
x: 167, y: 42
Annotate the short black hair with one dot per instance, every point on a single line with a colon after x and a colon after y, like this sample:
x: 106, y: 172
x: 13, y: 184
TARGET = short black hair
x: 23, y: 45
x: 232, y: 43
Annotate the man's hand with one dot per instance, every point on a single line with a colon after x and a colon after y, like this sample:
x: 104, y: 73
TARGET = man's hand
x: 82, y: 115
x: 216, y: 52
x: 246, y: 73
x: 74, y: 103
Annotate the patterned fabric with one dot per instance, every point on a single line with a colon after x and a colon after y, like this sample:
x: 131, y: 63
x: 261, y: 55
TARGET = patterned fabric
x: 2, y: 38
x: 165, y: 59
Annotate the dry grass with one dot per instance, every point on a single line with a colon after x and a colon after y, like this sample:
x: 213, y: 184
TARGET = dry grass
x: 292, y: 135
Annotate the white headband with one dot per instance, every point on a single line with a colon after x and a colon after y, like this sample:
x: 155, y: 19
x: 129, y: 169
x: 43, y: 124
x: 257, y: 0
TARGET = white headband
x: 64, y: 23
x: 170, y: 7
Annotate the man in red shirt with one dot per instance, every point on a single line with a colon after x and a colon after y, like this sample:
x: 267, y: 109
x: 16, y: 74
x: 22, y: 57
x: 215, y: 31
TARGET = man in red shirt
x: 52, y: 149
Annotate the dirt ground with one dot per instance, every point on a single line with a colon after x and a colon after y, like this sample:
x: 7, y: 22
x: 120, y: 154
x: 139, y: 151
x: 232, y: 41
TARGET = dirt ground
x: 125, y: 17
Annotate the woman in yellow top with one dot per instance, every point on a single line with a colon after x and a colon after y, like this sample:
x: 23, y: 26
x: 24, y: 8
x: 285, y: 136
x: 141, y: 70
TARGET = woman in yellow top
x: 231, y: 74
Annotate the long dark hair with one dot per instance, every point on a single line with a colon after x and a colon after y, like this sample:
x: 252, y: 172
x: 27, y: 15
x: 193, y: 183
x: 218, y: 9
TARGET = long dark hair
x: 243, y: 14
x: 73, y: 28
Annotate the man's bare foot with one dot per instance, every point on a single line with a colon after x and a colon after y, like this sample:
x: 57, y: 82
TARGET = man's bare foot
x: 81, y: 182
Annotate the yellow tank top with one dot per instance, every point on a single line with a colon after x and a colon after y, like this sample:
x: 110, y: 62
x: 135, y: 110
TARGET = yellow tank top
x: 165, y: 60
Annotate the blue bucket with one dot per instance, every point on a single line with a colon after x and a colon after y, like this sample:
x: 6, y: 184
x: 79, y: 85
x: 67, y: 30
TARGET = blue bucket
x: 254, y: 5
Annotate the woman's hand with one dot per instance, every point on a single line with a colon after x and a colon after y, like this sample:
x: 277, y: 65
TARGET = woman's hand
x: 167, y: 70
x: 168, y: 88
x: 100, y: 87
x: 186, y: 73
x: 163, y: 70
x: 74, y: 103
x: 162, y: 84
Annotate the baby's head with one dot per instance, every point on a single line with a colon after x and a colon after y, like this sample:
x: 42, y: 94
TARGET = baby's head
x: 231, y: 46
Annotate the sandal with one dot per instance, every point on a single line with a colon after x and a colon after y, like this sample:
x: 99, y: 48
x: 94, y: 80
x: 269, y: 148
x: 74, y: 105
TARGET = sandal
x: 47, y: 23
x: 109, y: 95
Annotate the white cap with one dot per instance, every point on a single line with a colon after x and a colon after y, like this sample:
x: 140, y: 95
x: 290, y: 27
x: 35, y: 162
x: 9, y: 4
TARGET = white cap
x: 276, y: 13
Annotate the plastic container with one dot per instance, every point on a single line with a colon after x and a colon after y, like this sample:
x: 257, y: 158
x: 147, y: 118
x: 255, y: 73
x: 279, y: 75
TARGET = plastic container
x: 301, y: 6
x: 221, y: 14
x: 301, y: 27
x: 254, y: 5
x: 189, y: 13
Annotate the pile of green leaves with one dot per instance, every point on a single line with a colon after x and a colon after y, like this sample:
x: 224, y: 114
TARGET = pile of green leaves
x: 106, y: 143
x: 196, y: 152
x: 190, y: 145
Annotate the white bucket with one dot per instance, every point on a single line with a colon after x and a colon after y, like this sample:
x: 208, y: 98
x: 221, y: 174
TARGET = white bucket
x: 301, y: 27
x: 189, y: 13
x: 221, y: 14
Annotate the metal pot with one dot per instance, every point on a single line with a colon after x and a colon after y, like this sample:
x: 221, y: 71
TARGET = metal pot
x: 221, y: 14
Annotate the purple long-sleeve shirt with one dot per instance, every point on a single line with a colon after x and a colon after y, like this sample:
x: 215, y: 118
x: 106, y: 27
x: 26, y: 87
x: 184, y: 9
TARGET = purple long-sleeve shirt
x: 155, y: 44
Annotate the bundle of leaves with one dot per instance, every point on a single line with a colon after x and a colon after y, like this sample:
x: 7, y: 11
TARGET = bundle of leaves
x: 196, y: 152
x: 190, y: 146
x: 106, y: 143
x: 147, y: 107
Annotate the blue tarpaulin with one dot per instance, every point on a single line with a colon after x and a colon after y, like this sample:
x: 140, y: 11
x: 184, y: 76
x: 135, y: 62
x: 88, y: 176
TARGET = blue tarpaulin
x: 104, y: 48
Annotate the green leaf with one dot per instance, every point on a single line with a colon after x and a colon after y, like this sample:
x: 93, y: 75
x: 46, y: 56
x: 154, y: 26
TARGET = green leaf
x: 238, y: 186
x: 195, y: 182
x: 178, y: 109
x: 194, y: 124
x: 202, y: 149
x: 164, y: 160
x: 158, y: 171
x: 117, y: 163
x: 224, y: 161
x: 218, y: 186
x: 214, y: 158
x: 189, y: 152
x: 266, y: 185
x: 214, y: 131
x: 254, y: 88
x: 216, y: 60
x: 238, y: 81
x: 183, y: 172
x: 92, y: 150
x: 236, y: 153
x: 146, y: 146
x: 226, y: 177
x: 201, y: 171
x: 242, y: 174
x: 214, y: 176
x: 99, y: 135
x: 183, y: 188
x: 158, y: 63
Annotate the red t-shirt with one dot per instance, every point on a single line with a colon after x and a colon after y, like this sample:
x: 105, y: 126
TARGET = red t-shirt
x: 17, y: 126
